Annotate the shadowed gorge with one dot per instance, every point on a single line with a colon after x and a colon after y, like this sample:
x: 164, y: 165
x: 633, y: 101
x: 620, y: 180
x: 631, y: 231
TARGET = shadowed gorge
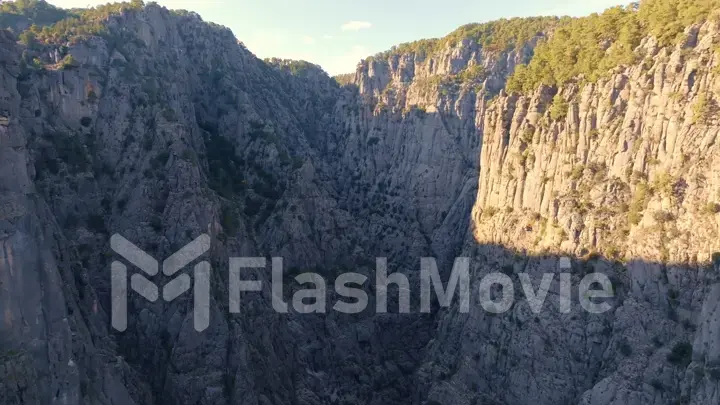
x: 513, y: 143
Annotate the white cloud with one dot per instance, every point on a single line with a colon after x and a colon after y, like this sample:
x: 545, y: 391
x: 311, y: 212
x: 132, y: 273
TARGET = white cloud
x: 327, y: 37
x: 308, y: 40
x: 355, y: 26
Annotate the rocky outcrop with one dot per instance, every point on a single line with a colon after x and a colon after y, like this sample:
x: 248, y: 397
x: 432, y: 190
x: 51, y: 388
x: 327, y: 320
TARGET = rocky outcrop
x: 160, y: 136
x: 410, y: 128
x: 628, y: 159
x: 643, y: 350
x: 619, y: 172
x: 55, y: 346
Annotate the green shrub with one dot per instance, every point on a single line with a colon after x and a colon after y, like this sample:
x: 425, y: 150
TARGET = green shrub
x: 702, y: 109
x: 657, y: 384
x: 225, y: 167
x: 292, y: 66
x: 147, y: 143
x: 121, y: 204
x: 624, y: 348
x: 715, y: 257
x: 662, y: 216
x: 639, y: 201
x: 68, y: 62
x: 472, y: 74
x: 96, y: 223
x: 169, y: 115
x: 527, y: 135
x: 613, y: 252
x: 681, y: 354
x: 656, y: 341
x: 252, y: 206
x: 490, y: 211
x: 577, y: 172
x: 230, y: 221
x: 344, y: 79
x: 160, y: 160
x: 156, y: 224
x: 559, y: 108
x: 711, y: 208
x: 664, y: 184
x: 189, y: 156
x: 28, y: 38
x: 71, y: 151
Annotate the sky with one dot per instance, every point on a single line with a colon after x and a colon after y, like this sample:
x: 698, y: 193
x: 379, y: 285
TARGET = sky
x: 337, y: 34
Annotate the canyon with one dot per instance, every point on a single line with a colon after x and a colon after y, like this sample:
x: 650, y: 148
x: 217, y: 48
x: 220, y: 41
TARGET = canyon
x: 162, y: 127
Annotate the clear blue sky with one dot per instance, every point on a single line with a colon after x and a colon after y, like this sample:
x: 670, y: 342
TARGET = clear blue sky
x: 336, y: 34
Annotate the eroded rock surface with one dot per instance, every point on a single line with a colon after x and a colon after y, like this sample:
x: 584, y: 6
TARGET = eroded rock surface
x: 167, y: 128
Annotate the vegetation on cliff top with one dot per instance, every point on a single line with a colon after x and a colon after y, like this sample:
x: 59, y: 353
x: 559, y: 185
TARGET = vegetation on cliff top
x: 292, y: 66
x: 495, y: 35
x: 47, y: 24
x: 345, y: 78
x: 590, y: 47
x: 585, y: 48
x: 24, y: 13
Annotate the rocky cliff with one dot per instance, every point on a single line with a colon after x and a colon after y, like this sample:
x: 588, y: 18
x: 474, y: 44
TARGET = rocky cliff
x: 156, y: 125
x: 621, y: 169
x: 627, y: 170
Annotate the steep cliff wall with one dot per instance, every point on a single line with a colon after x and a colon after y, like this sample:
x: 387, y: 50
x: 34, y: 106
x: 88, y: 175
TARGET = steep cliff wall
x: 621, y: 172
x: 411, y: 129
x: 54, y: 342
x: 161, y: 127
x: 628, y: 169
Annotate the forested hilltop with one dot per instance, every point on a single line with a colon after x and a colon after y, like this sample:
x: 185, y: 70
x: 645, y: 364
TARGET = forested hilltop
x: 584, y: 48
x: 21, y: 15
x: 590, y: 47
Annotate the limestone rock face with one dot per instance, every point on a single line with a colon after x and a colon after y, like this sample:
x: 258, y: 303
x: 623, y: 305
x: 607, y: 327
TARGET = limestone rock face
x: 628, y: 170
x: 411, y: 129
x: 622, y: 169
x: 166, y: 128
x: 54, y: 343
